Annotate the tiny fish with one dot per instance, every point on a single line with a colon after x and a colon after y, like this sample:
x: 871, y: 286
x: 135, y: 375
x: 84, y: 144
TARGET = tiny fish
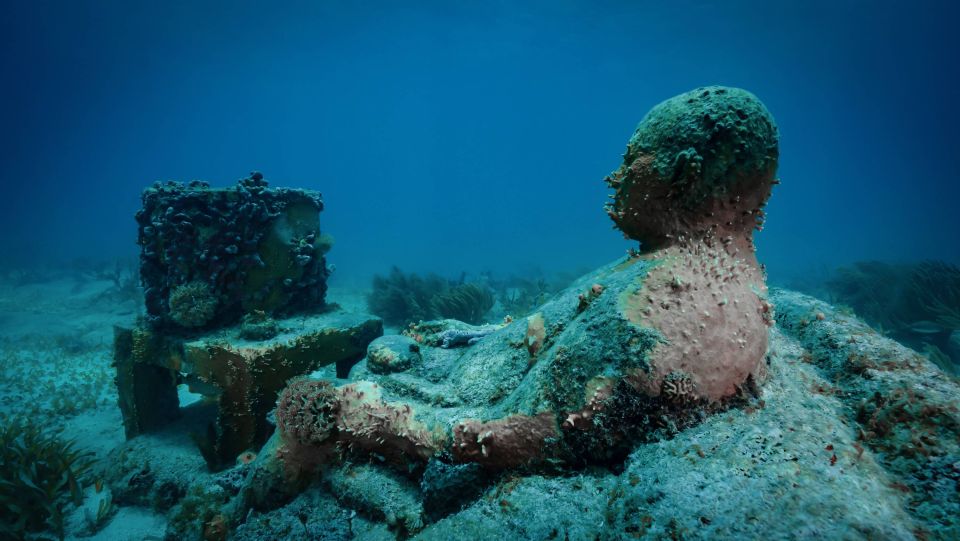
x: 925, y: 327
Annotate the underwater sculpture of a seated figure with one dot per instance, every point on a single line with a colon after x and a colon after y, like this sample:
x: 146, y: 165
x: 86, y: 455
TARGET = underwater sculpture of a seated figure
x: 635, y: 349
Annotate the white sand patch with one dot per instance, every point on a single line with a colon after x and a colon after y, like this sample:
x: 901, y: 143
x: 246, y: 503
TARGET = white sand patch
x: 130, y: 524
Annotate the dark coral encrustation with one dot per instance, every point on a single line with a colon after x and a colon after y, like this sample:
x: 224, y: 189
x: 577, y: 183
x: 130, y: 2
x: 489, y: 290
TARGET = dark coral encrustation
x: 252, y: 246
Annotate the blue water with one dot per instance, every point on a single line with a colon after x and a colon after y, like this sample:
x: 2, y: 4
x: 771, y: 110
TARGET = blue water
x: 471, y: 135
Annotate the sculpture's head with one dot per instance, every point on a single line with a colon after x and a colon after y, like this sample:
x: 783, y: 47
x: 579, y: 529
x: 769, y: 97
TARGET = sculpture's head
x: 699, y: 163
